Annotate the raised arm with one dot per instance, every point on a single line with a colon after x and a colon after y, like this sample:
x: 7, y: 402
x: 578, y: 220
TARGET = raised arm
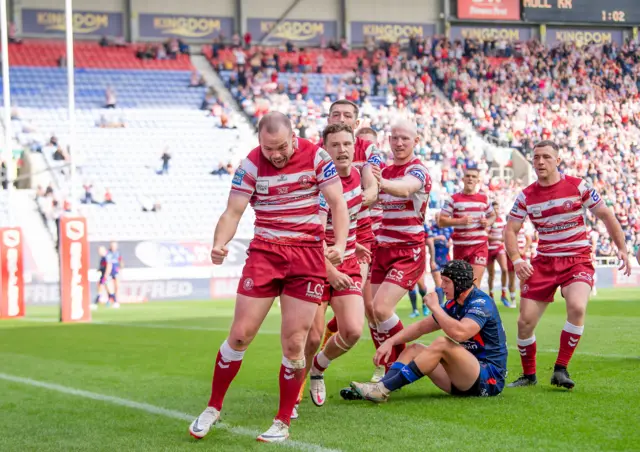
x: 458, y: 330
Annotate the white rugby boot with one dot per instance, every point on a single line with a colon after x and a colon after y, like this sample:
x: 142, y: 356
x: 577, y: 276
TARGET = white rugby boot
x: 277, y: 433
x: 203, y: 423
x: 317, y: 390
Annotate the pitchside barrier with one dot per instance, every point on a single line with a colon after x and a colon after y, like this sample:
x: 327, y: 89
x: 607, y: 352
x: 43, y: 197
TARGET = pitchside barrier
x: 163, y: 270
x: 12, y: 296
x: 74, y: 270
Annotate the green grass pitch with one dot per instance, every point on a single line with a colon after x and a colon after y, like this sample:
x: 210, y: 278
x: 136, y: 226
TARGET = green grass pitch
x: 135, y: 377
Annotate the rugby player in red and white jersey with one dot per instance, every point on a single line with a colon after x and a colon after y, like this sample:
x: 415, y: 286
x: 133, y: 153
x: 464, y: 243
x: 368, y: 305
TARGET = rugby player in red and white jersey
x: 368, y: 162
x: 400, y: 257
x: 555, y: 204
x: 524, y: 240
x: 498, y: 254
x: 470, y: 214
x: 282, y: 179
x: 344, y: 282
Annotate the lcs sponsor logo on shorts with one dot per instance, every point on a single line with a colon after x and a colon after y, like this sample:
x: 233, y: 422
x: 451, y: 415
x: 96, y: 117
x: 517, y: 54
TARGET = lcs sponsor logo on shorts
x: 395, y: 275
x: 330, y: 170
x: 584, y: 276
x: 480, y: 260
x: 315, y: 291
x: 262, y: 187
x: 238, y: 177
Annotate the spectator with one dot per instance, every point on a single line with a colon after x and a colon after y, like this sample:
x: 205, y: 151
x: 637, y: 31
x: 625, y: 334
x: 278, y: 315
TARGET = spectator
x: 220, y: 171
x: 165, y: 161
x: 108, y: 198
x: 110, y: 97
x: 247, y: 40
x: 196, y: 80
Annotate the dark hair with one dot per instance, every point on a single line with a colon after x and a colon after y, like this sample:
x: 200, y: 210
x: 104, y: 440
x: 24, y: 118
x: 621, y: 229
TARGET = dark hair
x: 367, y: 130
x: 545, y: 143
x: 335, y: 128
x: 273, y: 121
x: 356, y: 109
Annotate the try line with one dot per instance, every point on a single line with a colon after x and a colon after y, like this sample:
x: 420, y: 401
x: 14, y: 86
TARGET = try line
x: 152, y: 409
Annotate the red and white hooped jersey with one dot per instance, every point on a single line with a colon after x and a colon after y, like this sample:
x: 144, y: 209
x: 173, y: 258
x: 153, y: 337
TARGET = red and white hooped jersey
x: 496, y: 238
x: 476, y: 206
x: 557, y: 213
x: 353, y: 196
x: 286, y: 200
x: 375, y: 212
x: 403, y: 218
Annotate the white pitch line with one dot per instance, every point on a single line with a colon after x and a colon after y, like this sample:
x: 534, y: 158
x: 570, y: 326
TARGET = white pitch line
x: 241, y: 431
x: 161, y: 326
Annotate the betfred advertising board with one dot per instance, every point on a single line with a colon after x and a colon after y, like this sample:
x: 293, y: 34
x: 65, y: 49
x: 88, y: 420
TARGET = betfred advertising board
x: 11, y: 273
x: 74, y: 270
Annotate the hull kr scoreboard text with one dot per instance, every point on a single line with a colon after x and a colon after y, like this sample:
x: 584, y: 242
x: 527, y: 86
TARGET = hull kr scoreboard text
x: 585, y: 11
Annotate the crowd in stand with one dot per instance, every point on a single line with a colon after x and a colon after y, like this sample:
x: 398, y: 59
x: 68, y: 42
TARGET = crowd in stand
x: 584, y: 98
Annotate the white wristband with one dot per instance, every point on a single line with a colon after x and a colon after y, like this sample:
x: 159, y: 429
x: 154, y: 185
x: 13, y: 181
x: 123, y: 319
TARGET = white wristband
x: 518, y: 261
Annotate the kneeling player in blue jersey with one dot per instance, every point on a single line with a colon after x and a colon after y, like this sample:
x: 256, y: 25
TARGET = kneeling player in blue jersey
x: 471, y: 361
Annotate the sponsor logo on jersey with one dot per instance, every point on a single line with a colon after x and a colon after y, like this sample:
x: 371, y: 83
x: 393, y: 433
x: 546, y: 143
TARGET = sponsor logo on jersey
x: 595, y: 197
x: 262, y: 187
x: 304, y: 181
x: 560, y: 227
x: 323, y: 201
x: 282, y: 178
x: 282, y: 190
x: 238, y: 176
x: 330, y: 170
x: 418, y: 174
x: 375, y: 160
x: 536, y: 211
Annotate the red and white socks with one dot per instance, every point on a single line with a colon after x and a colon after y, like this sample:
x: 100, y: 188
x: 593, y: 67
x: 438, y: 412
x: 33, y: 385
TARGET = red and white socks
x: 226, y: 368
x: 569, y: 339
x: 292, y: 374
x: 388, y: 328
x: 320, y: 364
x: 527, y: 349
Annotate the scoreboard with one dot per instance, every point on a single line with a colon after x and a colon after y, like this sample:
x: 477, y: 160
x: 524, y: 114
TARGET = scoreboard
x: 613, y: 12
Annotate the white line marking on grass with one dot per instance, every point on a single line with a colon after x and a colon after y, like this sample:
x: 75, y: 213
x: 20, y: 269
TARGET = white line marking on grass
x: 242, y: 431
x: 161, y: 326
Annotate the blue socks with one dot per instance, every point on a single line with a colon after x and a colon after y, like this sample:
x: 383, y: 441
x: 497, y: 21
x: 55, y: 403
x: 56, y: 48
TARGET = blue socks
x: 413, y: 298
x: 440, y: 294
x: 407, y: 375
